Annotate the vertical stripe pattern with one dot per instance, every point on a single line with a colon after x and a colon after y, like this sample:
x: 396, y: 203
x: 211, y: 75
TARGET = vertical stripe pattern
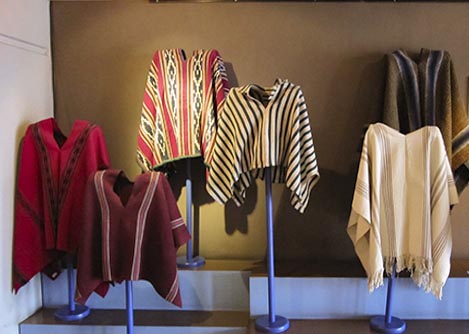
x: 424, y: 91
x: 132, y: 231
x: 46, y: 176
x: 401, y: 205
x: 431, y: 77
x: 140, y: 225
x: 58, y: 191
x: 105, y: 225
x: 182, y: 100
x: 263, y: 127
x: 387, y: 190
x: 411, y: 90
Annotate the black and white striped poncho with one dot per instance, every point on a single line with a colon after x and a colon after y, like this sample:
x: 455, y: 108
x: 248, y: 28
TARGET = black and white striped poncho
x: 263, y: 127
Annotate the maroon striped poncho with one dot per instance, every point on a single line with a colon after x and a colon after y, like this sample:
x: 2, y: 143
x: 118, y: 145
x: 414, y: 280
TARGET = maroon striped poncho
x: 131, y: 232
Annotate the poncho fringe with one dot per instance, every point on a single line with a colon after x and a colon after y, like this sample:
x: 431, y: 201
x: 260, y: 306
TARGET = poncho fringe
x: 420, y: 271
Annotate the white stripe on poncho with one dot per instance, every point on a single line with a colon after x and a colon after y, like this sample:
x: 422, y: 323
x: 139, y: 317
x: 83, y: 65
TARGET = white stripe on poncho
x: 401, y: 206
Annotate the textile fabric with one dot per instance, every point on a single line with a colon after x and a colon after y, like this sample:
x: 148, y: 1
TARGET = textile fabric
x: 180, y: 106
x: 131, y: 232
x: 52, y: 175
x: 401, y: 206
x: 425, y: 92
x: 263, y: 127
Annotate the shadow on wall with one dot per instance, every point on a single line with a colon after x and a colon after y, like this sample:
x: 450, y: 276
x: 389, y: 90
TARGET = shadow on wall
x: 236, y: 219
x: 178, y: 172
x: 320, y: 232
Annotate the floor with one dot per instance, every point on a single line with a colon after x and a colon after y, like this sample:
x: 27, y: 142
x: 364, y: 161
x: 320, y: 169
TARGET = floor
x: 362, y: 327
x: 239, y: 322
x: 219, y: 319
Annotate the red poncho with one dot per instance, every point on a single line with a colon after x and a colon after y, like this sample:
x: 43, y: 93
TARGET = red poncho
x: 183, y: 98
x: 131, y: 231
x: 52, y: 175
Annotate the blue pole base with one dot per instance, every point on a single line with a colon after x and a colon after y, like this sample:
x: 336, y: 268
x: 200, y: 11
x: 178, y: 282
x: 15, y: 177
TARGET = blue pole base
x: 396, y: 326
x: 195, y: 262
x: 280, y: 324
x: 65, y: 314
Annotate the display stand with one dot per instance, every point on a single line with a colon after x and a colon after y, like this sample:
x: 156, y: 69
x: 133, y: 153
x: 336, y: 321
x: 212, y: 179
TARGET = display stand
x: 189, y: 261
x: 388, y: 324
x: 129, y: 304
x: 270, y: 323
x: 73, y: 311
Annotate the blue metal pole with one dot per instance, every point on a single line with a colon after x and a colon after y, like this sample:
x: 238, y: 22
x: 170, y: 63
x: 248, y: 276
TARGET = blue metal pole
x: 388, y: 314
x: 71, y: 284
x: 271, y: 323
x: 189, y: 210
x: 72, y: 311
x: 270, y: 244
x: 189, y: 261
x: 388, y: 324
x: 129, y: 306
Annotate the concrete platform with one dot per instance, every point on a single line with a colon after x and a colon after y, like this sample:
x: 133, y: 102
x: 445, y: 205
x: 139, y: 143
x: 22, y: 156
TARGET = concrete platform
x: 225, y: 297
x: 146, y: 322
x: 348, y: 298
x: 219, y: 285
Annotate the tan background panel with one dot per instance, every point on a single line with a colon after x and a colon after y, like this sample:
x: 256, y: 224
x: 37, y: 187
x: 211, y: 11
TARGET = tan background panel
x: 335, y: 51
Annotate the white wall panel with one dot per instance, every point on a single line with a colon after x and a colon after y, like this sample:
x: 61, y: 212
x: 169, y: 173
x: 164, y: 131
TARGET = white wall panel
x: 25, y: 97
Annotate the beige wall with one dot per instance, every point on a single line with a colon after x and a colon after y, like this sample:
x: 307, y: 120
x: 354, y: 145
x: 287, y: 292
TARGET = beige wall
x: 335, y: 51
x: 25, y: 97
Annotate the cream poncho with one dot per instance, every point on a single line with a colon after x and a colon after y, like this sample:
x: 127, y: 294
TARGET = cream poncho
x: 401, y: 206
